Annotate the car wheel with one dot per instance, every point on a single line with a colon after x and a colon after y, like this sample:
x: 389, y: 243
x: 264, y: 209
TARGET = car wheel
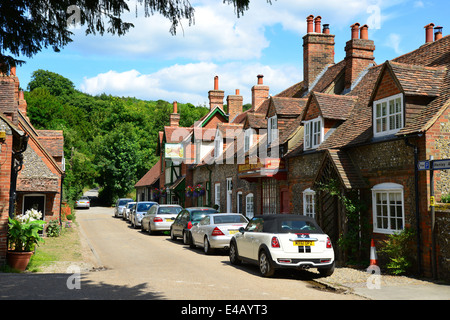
x: 265, y: 266
x: 326, y: 272
x: 234, y: 256
x: 185, y: 237
x: 172, y: 235
x: 206, y: 247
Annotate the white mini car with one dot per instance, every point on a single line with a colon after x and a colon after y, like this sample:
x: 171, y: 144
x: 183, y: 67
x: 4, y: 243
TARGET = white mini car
x: 283, y: 241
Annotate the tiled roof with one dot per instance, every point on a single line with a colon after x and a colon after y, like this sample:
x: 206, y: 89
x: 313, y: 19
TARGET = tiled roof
x: 151, y: 176
x: 418, y: 80
x: 176, y: 134
x: 295, y: 91
x: 288, y: 106
x: 256, y: 120
x: 53, y: 141
x: 349, y: 175
x: 334, y: 106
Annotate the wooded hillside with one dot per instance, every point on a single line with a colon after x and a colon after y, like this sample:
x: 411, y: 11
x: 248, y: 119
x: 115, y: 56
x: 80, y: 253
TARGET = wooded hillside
x: 109, y: 141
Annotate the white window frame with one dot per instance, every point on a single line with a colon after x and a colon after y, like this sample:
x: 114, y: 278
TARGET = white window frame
x: 217, y: 194
x: 248, y: 139
x: 272, y: 129
x: 309, y: 203
x: 383, y: 223
x: 313, y: 133
x: 218, y: 145
x: 389, y: 116
x: 249, y: 206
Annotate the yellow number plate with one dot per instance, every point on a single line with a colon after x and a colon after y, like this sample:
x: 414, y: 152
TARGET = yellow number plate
x: 232, y: 231
x: 304, y: 243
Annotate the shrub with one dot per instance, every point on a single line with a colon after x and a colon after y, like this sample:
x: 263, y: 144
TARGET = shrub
x: 446, y: 198
x: 53, y: 229
x: 397, y: 250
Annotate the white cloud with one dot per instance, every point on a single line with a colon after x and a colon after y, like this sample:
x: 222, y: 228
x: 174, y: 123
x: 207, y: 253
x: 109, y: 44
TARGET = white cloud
x: 393, y: 41
x: 191, y: 82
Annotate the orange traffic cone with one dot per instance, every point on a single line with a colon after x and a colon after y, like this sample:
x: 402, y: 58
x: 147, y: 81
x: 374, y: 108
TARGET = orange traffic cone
x: 373, y: 254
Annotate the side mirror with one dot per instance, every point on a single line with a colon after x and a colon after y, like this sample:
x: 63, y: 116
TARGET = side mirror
x: 242, y: 230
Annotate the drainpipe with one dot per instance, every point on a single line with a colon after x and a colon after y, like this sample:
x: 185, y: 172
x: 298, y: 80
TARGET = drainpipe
x: 210, y: 186
x: 416, y: 188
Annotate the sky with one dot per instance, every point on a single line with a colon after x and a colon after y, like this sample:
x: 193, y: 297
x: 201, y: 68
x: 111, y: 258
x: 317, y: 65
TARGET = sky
x: 151, y: 64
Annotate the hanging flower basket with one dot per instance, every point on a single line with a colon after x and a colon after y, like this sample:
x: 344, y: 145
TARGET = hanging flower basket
x: 195, y: 194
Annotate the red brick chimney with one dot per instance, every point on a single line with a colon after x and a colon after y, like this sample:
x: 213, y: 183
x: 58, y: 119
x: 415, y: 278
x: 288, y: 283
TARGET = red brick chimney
x: 234, y: 103
x: 260, y: 92
x: 359, y: 54
x: 216, y: 96
x: 174, y: 117
x: 318, y: 50
x: 429, y: 33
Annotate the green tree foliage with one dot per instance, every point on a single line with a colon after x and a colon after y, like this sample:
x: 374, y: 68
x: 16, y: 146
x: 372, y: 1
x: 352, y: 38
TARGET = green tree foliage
x: 108, y: 141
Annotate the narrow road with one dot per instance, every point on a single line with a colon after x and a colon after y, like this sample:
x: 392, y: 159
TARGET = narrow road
x: 138, y: 265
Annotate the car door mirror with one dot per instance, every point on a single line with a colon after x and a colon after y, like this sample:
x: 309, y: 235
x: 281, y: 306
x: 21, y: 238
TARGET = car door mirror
x: 242, y: 230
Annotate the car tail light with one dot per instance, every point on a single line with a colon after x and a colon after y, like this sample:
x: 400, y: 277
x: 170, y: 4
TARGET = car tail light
x: 189, y: 225
x: 157, y: 219
x: 329, y: 245
x: 275, y: 242
x: 217, y: 232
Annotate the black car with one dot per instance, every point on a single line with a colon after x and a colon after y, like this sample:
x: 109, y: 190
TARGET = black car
x: 185, y: 219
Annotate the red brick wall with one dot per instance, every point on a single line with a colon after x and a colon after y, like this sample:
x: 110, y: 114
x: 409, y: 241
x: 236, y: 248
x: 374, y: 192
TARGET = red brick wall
x: 5, y: 182
x: 387, y: 87
x: 318, y: 52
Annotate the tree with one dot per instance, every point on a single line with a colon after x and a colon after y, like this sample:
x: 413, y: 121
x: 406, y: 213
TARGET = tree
x: 27, y: 26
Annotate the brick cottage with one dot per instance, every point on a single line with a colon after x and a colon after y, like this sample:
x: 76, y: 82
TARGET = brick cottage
x: 31, y: 161
x: 352, y: 129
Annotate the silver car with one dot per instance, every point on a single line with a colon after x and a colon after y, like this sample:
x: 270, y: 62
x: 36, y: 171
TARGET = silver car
x: 216, y: 230
x: 138, y: 212
x: 120, y: 204
x: 127, y: 210
x: 160, y: 217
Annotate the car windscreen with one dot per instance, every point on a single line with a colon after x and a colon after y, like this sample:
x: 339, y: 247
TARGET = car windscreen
x: 198, y: 215
x: 169, y: 210
x: 130, y: 205
x: 227, y: 218
x: 143, y: 206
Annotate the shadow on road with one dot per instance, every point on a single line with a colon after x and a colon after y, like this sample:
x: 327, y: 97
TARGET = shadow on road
x: 54, y: 287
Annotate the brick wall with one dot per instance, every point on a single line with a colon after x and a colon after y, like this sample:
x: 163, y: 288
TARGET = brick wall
x: 318, y: 52
x: 5, y: 182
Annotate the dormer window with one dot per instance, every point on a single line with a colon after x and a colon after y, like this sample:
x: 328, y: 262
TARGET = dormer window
x: 388, y: 115
x: 313, y: 134
x: 272, y: 129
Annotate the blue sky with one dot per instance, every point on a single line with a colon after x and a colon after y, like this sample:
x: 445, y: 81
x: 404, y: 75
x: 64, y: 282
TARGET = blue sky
x: 149, y: 63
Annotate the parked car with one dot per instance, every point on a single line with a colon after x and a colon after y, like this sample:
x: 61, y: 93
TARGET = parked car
x: 83, y: 202
x: 138, y: 212
x: 127, y: 209
x: 185, y: 219
x: 160, y: 217
x: 119, y: 206
x: 283, y: 241
x: 214, y: 231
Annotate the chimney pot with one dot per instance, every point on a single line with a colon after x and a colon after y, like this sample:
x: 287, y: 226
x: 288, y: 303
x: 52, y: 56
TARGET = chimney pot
x: 260, y: 79
x: 310, y: 23
x: 318, y: 22
x: 326, y: 29
x: 175, y: 107
x: 237, y: 92
x: 216, y: 83
x: 429, y: 33
x: 438, y: 33
x: 12, y: 71
x: 364, y: 32
x: 355, y: 30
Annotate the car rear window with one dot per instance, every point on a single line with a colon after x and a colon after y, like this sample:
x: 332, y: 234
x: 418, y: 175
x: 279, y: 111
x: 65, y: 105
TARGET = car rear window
x: 229, y: 219
x: 298, y: 226
x: 123, y: 202
x: 144, y: 206
x: 169, y: 210
x: 198, y: 215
